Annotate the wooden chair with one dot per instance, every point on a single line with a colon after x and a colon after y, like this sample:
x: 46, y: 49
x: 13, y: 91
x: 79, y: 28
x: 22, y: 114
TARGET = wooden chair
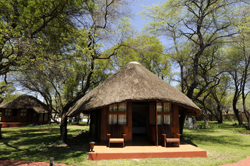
x: 116, y: 135
x: 169, y: 137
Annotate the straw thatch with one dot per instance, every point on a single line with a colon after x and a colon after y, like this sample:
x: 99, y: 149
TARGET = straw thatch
x: 26, y: 102
x: 132, y: 82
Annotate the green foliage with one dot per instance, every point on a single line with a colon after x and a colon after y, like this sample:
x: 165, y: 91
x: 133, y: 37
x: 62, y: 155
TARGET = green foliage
x: 70, y: 62
x: 7, y: 92
x: 146, y: 50
x: 27, y: 26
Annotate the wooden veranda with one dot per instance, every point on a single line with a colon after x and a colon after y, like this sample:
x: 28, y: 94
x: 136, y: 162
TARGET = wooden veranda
x: 102, y: 152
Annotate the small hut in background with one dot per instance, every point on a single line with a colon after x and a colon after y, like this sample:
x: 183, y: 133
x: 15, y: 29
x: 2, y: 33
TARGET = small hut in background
x: 137, y: 101
x: 22, y: 111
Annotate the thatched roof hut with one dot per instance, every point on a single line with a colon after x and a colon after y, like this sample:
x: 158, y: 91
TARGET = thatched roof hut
x: 132, y: 82
x: 26, y: 102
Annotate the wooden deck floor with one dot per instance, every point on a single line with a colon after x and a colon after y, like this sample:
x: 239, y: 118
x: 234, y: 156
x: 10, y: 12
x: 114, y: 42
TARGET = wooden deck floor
x: 13, y: 124
x: 131, y: 152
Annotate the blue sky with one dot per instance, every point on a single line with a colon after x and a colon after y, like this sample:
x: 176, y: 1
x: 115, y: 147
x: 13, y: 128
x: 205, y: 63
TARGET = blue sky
x: 137, y: 21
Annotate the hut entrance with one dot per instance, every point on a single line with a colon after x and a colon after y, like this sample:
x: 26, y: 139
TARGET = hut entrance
x: 140, y: 112
x: 14, y: 115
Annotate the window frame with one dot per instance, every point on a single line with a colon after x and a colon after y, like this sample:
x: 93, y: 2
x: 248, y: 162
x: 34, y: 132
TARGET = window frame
x: 9, y: 112
x: 22, y: 113
x: 162, y: 113
x: 117, y: 113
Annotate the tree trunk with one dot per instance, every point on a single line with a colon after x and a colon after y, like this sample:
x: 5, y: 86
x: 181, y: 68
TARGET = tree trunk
x: 247, y: 114
x: 182, y: 78
x: 236, y: 112
x: 77, y: 119
x: 244, y: 81
x: 220, y: 113
x: 205, y: 118
x: 63, y: 128
x: 245, y: 110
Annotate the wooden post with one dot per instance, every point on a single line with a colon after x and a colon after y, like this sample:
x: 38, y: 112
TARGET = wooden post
x: 129, y: 136
x: 104, y: 123
x: 176, y: 118
x: 1, y: 131
x: 51, y: 163
x: 156, y: 126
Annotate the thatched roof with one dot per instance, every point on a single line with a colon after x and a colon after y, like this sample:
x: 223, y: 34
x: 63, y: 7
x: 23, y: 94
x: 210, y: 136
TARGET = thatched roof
x: 132, y: 82
x: 26, y: 102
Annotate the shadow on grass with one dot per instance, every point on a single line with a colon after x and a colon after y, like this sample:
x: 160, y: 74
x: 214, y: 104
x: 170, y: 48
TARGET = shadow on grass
x: 188, y: 141
x: 33, y: 145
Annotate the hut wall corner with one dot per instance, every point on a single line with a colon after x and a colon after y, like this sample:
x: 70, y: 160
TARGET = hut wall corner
x: 104, y: 123
x: 176, y: 128
x: 129, y: 124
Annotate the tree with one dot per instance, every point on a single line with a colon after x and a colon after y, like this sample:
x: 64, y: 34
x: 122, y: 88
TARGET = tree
x: 239, y: 60
x: 214, y: 100
x: 6, y: 92
x: 26, y: 23
x: 203, y: 22
x: 148, y: 51
x: 234, y: 61
x: 244, y: 47
x: 77, y: 63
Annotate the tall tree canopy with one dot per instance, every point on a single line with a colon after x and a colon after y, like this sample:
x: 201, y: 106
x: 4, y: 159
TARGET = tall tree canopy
x: 204, y: 23
x: 25, y: 24
x: 67, y: 66
x: 147, y: 50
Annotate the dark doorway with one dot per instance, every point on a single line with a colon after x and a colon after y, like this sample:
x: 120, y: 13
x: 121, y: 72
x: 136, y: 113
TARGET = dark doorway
x: 15, y: 112
x: 14, y: 115
x: 95, y: 125
x: 140, y: 123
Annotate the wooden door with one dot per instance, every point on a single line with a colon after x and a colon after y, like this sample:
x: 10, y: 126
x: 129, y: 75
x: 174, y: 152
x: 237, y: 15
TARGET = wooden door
x: 14, y: 117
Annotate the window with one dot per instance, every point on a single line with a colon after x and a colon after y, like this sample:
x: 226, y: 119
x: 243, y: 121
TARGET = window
x: 167, y: 119
x: 167, y: 107
x: 113, y: 108
x: 118, y: 113
x: 164, y: 113
x: 122, y: 119
x: 7, y: 112
x: 159, y: 107
x: 23, y: 112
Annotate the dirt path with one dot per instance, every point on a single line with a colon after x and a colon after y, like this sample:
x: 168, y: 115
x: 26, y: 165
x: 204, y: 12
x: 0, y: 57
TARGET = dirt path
x: 245, y: 162
x: 25, y: 163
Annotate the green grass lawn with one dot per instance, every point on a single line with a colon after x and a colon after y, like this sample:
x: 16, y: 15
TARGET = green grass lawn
x: 224, y: 143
